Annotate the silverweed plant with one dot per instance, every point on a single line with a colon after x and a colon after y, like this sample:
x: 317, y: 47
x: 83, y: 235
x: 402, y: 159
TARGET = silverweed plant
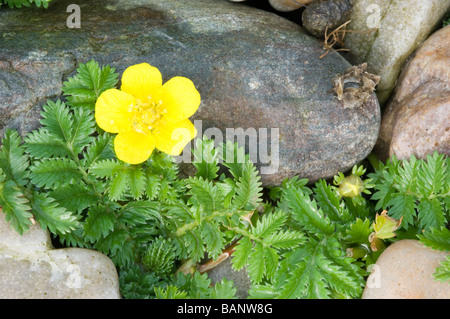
x: 164, y: 231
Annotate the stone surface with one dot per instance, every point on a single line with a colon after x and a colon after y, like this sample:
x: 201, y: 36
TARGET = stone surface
x: 416, y: 121
x: 254, y: 70
x: 326, y: 15
x: 288, y: 5
x: 405, y: 271
x: 240, y: 278
x: 385, y: 33
x: 31, y: 269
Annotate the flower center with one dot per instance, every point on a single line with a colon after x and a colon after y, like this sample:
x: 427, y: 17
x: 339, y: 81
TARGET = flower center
x: 147, y: 115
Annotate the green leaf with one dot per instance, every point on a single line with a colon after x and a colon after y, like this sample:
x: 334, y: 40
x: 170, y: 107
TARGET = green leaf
x: 224, y: 290
x: 101, y: 149
x: 205, y: 159
x: 99, y: 223
x: 403, y: 205
x: 432, y: 174
x: 213, y: 238
x: 442, y: 272
x: 83, y: 128
x: 436, y: 238
x: 58, y: 120
x: 90, y: 81
x: 105, y: 168
x: 431, y: 214
x: 330, y: 202
x: 241, y: 253
x: 359, y: 232
x: 13, y: 160
x: 205, y: 193
x: 306, y: 212
x: 248, y: 188
x: 320, y: 271
x: 50, y: 215
x: 41, y: 144
x: 15, y: 205
x: 74, y: 197
x: 136, y: 181
x: 54, y: 173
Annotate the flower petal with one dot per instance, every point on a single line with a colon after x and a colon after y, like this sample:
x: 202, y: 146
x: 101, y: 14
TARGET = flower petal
x: 111, y: 110
x: 180, y: 98
x: 141, y: 80
x: 133, y: 147
x: 172, y: 138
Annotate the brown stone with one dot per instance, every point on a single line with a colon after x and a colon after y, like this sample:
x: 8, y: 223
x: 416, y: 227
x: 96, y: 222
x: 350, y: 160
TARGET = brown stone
x: 417, y: 119
x: 405, y: 271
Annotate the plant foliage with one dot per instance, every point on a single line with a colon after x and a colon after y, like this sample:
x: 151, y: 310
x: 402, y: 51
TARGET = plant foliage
x: 295, y: 241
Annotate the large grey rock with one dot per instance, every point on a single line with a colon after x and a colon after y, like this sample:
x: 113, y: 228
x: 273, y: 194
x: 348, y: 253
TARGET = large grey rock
x: 386, y: 32
x: 253, y: 69
x: 31, y: 269
x: 416, y: 120
x: 405, y: 271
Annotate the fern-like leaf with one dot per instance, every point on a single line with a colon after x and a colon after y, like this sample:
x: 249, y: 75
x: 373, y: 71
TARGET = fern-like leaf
x: 51, y: 216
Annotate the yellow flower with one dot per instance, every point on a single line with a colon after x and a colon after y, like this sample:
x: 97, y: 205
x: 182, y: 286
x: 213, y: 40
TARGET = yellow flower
x: 147, y: 114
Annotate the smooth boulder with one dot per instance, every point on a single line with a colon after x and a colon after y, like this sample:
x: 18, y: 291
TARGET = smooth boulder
x: 416, y: 120
x: 405, y: 271
x: 384, y: 33
x: 259, y: 75
x: 30, y: 268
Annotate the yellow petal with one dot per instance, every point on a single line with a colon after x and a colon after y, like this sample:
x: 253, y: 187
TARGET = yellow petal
x: 180, y: 98
x: 132, y: 147
x: 173, y: 137
x: 111, y: 111
x: 141, y: 81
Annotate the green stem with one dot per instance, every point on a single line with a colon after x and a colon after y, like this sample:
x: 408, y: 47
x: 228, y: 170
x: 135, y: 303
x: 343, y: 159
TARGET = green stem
x: 183, y: 229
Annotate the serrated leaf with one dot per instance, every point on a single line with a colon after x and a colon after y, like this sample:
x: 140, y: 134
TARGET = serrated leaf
x: 90, y: 81
x: 74, y: 197
x: 105, y: 168
x: 58, y: 120
x: 16, y: 207
x: 241, y: 253
x: 224, y: 290
x: 269, y: 223
x: 431, y: 213
x: 50, y: 215
x: 118, y: 186
x: 205, y: 193
x: 385, y: 226
x: 54, y: 172
x: 83, y: 128
x: 434, y: 238
x: 13, y: 160
x: 359, y: 232
x: 403, y: 206
x: 99, y: 223
x: 442, y: 273
x: 330, y: 202
x: 306, y: 212
x: 213, y: 239
x: 41, y: 144
x: 205, y: 159
x: 100, y: 149
x: 248, y: 188
x: 136, y: 181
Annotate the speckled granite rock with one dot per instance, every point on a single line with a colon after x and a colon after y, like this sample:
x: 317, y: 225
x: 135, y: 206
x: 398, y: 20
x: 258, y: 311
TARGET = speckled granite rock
x: 405, y: 271
x: 385, y: 33
x: 31, y: 269
x: 254, y: 70
x: 416, y: 121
